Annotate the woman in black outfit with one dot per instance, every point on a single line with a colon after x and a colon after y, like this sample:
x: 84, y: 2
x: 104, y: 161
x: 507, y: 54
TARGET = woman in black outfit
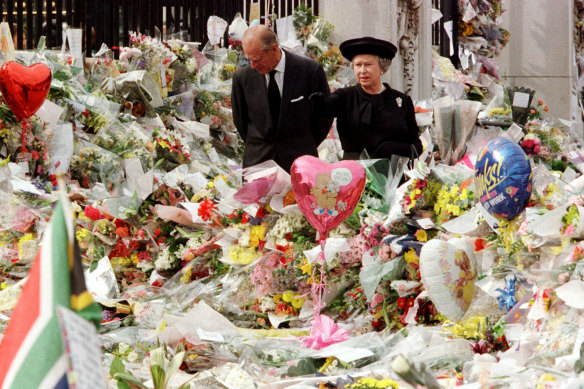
x: 370, y: 115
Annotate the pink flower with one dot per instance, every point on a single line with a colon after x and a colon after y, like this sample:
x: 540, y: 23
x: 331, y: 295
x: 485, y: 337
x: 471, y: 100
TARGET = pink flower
x: 377, y: 299
x: 24, y: 219
x: 570, y: 229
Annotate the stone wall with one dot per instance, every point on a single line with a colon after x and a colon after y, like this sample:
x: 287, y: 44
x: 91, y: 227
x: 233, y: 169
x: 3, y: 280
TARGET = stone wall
x: 540, y: 52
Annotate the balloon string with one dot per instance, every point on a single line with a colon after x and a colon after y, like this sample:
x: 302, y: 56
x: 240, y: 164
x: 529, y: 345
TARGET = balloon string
x: 318, y: 288
x: 23, y: 136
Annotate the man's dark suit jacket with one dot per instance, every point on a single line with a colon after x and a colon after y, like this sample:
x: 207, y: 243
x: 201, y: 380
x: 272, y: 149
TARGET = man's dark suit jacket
x: 299, y: 132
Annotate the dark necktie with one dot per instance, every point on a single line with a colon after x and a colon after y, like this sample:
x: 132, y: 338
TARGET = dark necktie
x: 274, y: 99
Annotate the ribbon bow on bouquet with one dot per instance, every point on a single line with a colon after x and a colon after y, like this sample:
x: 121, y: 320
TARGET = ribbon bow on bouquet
x: 507, y: 298
x: 324, y: 332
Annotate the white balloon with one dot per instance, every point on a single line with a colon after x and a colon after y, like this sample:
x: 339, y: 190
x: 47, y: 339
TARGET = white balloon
x: 448, y: 274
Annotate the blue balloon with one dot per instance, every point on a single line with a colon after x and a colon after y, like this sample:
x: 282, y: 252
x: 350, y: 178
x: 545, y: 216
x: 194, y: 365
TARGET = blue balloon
x: 503, y: 178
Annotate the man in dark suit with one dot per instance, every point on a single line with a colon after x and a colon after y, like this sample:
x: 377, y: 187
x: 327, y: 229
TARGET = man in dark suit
x: 270, y: 103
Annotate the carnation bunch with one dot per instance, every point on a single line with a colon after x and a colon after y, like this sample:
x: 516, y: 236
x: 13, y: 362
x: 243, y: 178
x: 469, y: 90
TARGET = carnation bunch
x: 531, y: 144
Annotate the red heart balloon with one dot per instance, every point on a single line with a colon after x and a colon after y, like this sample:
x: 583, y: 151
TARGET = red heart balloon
x: 326, y: 193
x: 23, y: 88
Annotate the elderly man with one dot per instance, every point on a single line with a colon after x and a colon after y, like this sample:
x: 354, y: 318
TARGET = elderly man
x: 270, y: 101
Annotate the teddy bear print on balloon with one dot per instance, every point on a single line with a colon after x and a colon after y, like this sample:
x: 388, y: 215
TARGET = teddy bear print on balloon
x: 326, y: 189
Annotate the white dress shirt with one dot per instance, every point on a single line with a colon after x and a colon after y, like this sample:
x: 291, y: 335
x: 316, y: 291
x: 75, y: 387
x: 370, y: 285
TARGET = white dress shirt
x: 279, y: 76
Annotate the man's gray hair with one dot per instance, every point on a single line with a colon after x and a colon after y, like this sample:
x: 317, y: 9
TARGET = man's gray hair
x: 262, y: 34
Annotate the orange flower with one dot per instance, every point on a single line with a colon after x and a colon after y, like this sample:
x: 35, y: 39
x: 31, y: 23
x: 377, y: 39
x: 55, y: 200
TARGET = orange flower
x: 546, y: 108
x: 539, y: 102
x: 466, y: 183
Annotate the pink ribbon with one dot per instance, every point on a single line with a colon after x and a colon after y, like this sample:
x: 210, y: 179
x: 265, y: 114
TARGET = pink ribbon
x: 324, y: 332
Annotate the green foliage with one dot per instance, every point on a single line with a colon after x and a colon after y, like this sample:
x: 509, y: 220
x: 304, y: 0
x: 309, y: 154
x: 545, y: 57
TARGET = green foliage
x: 305, y: 366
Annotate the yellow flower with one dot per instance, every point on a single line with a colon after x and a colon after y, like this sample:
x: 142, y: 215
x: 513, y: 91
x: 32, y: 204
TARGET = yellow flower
x: 421, y: 235
x: 242, y: 255
x: 546, y: 377
x: 298, y: 302
x: 306, y: 267
x: 163, y: 144
x: 411, y: 257
x: 3, y: 285
x: 472, y: 328
x: 287, y: 296
x: 23, y: 239
x: 186, y: 276
x: 257, y: 233
x: 277, y: 298
x: 134, y: 258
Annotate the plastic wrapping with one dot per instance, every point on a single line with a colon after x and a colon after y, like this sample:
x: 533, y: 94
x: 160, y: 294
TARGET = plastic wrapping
x: 92, y: 164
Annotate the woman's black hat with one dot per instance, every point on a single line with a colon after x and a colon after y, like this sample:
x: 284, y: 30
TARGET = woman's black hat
x: 367, y: 45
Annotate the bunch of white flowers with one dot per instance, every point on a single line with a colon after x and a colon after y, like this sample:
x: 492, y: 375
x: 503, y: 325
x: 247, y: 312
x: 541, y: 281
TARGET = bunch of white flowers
x: 287, y: 224
x: 165, y: 260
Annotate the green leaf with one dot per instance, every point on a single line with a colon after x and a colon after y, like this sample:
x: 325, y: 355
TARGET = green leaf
x: 93, y: 265
x: 128, y: 377
x: 117, y: 366
x: 305, y: 367
x: 123, y: 385
x: 158, y: 376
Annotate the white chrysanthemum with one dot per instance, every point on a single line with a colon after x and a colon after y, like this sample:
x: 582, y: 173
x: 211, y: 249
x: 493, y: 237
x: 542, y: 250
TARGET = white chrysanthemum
x: 164, y: 261
x: 287, y: 224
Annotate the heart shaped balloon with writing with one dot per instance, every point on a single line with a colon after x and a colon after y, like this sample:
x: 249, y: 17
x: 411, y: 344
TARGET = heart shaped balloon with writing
x: 326, y: 193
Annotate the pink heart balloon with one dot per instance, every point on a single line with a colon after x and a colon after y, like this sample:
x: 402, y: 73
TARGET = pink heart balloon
x: 326, y: 193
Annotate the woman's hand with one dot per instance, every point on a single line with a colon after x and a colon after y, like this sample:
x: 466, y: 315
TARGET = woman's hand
x: 316, y: 97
